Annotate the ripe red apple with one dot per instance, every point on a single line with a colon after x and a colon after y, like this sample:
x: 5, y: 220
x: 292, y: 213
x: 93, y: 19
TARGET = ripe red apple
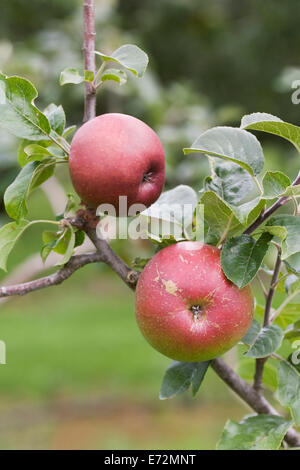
x: 185, y: 306
x: 117, y: 155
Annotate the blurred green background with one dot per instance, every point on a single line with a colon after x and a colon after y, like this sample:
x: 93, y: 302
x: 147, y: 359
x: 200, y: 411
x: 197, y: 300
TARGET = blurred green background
x: 78, y: 373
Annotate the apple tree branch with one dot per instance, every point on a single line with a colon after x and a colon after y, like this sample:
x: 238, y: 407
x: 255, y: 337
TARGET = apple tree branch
x: 89, y: 58
x: 260, y: 363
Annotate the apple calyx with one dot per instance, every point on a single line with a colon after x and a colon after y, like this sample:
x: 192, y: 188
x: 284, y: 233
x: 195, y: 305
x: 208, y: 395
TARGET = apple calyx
x: 197, y: 311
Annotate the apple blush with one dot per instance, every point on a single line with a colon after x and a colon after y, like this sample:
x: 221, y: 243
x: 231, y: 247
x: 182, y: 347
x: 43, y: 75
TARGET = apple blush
x: 116, y: 155
x: 185, y: 306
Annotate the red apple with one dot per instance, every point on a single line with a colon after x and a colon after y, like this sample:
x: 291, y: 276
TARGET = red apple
x: 185, y: 306
x: 117, y: 155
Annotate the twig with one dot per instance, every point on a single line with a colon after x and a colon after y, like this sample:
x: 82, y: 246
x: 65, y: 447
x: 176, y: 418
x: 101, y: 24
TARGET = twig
x: 98, y: 74
x: 260, y: 363
x: 250, y: 396
x: 264, y: 215
x: 272, y: 289
x: 89, y: 58
x: 75, y: 263
x: 129, y: 276
x: 259, y: 372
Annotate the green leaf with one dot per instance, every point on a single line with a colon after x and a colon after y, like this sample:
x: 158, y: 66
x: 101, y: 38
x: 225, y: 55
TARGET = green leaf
x: 45, y: 252
x: 68, y: 131
x: 292, y: 191
x: 71, y: 203
x: 54, y: 240
x: 293, y: 264
x: 229, y: 143
x: 70, y: 75
x: 291, y: 244
x: 252, y: 333
x: 36, y: 153
x: 139, y: 263
x: 129, y: 56
x: 249, y: 211
x: 180, y: 376
x: 231, y: 182
x: 9, y: 234
x: 116, y: 75
x: 171, y: 210
x: 219, y: 216
x: 275, y: 184
x: 56, y: 117
x: 242, y: 256
x: 61, y: 242
x: 22, y: 155
x: 292, y: 284
x: 293, y: 334
x: 18, y: 114
x: 236, y: 188
x: 273, y: 125
x: 79, y: 237
x: 30, y: 177
x: 289, y: 389
x: 198, y: 376
x: 15, y: 197
x: 290, y: 314
x: 276, y: 231
x: 70, y: 242
x: 262, y: 432
x: 43, y: 172
x: 268, y: 340
x: 88, y: 76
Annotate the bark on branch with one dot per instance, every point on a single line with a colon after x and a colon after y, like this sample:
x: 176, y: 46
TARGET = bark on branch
x: 75, y: 263
x: 111, y: 258
x: 89, y: 58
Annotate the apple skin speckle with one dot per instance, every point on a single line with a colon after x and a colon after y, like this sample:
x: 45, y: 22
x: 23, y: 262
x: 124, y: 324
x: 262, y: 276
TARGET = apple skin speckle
x: 166, y: 317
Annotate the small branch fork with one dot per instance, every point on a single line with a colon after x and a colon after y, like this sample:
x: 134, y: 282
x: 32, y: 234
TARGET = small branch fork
x: 265, y: 214
x: 87, y: 221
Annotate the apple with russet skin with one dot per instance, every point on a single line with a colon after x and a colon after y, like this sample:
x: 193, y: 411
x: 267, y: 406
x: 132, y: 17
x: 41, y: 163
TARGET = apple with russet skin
x: 116, y: 155
x: 185, y: 306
